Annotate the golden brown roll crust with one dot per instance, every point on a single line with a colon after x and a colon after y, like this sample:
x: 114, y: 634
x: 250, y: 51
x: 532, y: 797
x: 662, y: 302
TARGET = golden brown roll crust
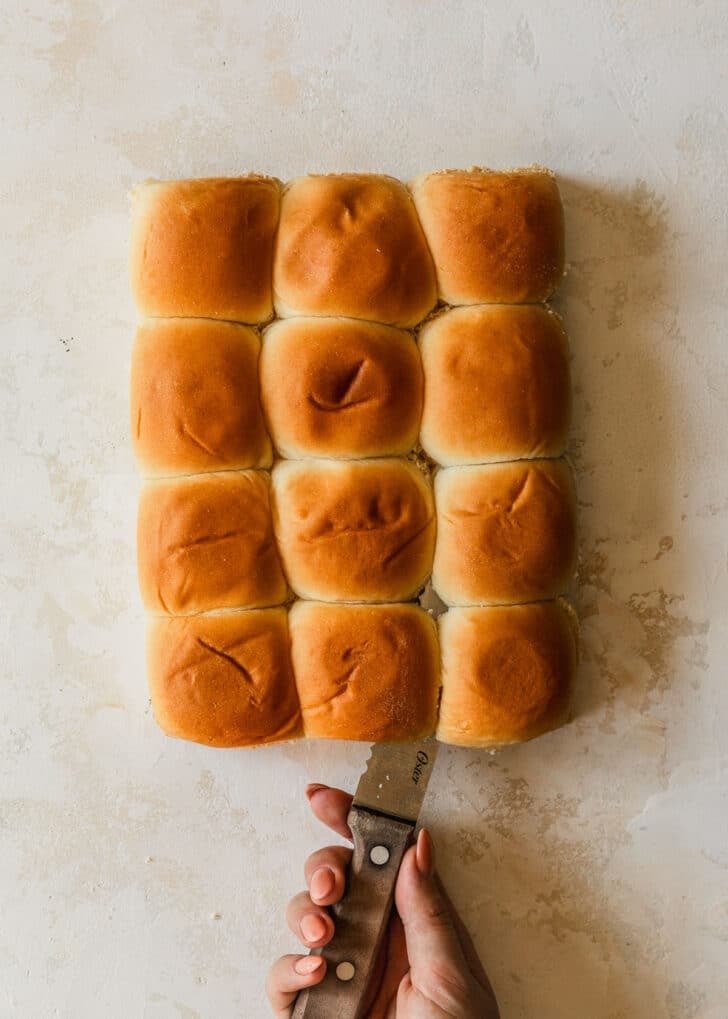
x: 494, y: 237
x: 351, y: 244
x: 506, y: 533
x: 365, y: 672
x: 496, y: 384
x: 195, y: 402
x: 353, y: 531
x: 340, y: 388
x: 204, y: 248
x: 207, y: 543
x: 507, y: 673
x: 224, y: 680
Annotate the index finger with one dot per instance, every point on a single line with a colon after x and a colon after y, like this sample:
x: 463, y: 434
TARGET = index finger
x: 331, y: 806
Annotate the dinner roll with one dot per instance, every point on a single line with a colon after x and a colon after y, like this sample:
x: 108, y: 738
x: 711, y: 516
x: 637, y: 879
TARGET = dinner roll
x: 340, y: 388
x: 207, y: 542
x: 353, y: 530
x: 204, y: 248
x: 496, y: 384
x: 195, y: 399
x: 507, y: 673
x: 224, y: 680
x: 365, y: 672
x: 494, y: 236
x: 351, y: 244
x: 506, y: 533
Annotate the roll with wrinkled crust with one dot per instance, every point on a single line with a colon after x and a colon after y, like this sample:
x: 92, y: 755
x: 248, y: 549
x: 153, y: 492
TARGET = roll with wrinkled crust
x: 206, y: 543
x: 340, y: 388
x: 223, y: 680
x: 365, y: 672
x: 353, y: 530
x: 195, y: 400
x: 204, y: 248
x: 495, y: 237
x: 351, y: 244
x: 507, y: 673
x: 506, y: 533
x: 497, y: 384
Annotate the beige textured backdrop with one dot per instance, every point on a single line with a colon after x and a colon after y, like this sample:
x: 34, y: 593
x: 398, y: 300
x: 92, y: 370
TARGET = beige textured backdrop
x: 146, y: 878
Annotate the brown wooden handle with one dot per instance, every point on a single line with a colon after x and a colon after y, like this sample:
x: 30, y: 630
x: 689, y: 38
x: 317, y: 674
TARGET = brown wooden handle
x: 360, y: 918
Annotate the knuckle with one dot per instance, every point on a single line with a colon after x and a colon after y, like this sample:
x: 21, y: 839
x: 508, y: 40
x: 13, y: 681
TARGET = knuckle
x: 437, y: 914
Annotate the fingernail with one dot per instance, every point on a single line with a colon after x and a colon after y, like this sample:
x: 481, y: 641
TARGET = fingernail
x: 323, y: 882
x: 307, y: 964
x: 425, y: 853
x: 312, y: 927
x: 313, y: 788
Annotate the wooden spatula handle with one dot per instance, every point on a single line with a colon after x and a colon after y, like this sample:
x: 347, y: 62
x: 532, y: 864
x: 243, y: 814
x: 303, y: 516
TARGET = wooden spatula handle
x: 360, y: 918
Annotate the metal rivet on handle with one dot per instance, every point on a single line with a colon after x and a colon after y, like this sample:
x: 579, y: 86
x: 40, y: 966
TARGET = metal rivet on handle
x: 379, y: 855
x: 345, y: 971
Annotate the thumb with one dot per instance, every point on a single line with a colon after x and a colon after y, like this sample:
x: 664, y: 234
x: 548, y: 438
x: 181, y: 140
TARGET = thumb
x: 438, y: 969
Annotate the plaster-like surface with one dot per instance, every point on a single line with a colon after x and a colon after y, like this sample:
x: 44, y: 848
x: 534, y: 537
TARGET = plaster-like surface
x: 146, y: 878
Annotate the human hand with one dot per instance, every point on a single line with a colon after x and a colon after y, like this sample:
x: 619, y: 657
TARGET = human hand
x: 427, y: 967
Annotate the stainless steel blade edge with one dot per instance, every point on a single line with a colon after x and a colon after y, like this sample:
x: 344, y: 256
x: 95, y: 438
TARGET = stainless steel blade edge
x: 396, y: 778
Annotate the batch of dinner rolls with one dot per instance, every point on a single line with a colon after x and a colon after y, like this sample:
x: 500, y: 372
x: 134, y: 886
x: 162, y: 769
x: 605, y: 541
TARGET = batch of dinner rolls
x: 342, y: 387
